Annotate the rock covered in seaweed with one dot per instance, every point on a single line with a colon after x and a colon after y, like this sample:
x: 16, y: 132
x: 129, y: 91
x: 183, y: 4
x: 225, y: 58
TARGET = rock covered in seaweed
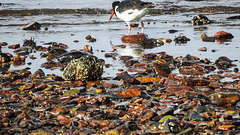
x: 200, y: 20
x: 86, y: 68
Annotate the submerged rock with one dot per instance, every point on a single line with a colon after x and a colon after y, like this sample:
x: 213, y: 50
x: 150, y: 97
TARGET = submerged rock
x: 86, y: 68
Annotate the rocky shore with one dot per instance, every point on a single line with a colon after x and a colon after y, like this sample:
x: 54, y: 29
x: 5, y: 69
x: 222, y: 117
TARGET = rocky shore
x: 157, y: 94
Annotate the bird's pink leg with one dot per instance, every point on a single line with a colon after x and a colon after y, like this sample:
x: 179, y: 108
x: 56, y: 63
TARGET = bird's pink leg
x: 142, y: 27
x: 129, y: 28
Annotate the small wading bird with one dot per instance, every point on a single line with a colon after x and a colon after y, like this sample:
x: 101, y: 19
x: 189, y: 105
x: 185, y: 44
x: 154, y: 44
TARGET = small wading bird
x: 131, y: 10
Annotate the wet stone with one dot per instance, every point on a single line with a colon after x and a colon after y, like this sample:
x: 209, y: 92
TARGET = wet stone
x: 38, y: 73
x: 149, y: 56
x: 108, y: 55
x: 129, y: 93
x: 196, y: 116
x: 14, y: 46
x: 134, y: 39
x: 169, y: 124
x: 181, y: 39
x: 130, y: 63
x: 3, y: 43
x: 125, y: 58
x: 67, y: 57
x: 223, y: 62
x: 234, y: 17
x: 162, y: 68
x: 192, y: 70
x: 208, y: 39
x: 223, y: 35
x: 151, y: 43
x: 32, y: 26
x: 56, y: 52
x: 166, y: 111
x: 123, y: 76
x: 4, y: 58
x: 224, y: 99
x: 42, y: 131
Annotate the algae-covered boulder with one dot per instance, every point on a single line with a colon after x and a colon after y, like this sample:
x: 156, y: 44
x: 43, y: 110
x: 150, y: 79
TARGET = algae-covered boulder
x: 200, y: 20
x: 86, y: 68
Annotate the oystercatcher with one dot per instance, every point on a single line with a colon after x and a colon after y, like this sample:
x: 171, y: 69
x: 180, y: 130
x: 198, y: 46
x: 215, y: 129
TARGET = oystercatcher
x: 131, y: 10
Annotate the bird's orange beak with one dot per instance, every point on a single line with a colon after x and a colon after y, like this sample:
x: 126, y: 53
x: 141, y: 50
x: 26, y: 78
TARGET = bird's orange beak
x: 111, y: 15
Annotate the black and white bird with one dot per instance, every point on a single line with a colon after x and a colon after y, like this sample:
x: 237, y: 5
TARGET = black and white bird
x: 131, y: 10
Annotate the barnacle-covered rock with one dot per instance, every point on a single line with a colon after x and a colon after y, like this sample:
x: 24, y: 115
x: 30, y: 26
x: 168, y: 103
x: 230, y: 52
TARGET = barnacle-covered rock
x: 200, y: 20
x: 86, y: 68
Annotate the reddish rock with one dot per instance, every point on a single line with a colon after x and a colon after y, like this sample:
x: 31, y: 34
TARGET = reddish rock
x: 129, y: 93
x: 168, y: 40
x: 88, y: 48
x: 134, y: 39
x: 137, y: 110
x: 192, y: 70
x: 162, y: 69
x: 3, y: 43
x: 149, y: 79
x: 223, y: 35
x: 38, y: 74
x: 103, y: 123
x: 8, y: 114
x: 80, y: 100
x: 65, y: 122
x: 109, y: 85
x: 225, y: 99
x: 126, y: 57
x: 59, y: 110
x: 61, y: 117
x: 130, y: 63
x: 115, y: 112
x: 149, y: 56
x: 14, y: 46
x: 88, y: 37
x: 174, y: 90
x: 140, y: 65
x: 226, y: 127
x: 18, y: 59
x: 64, y: 98
x: 204, y: 49
x: 146, y: 116
x: 108, y: 55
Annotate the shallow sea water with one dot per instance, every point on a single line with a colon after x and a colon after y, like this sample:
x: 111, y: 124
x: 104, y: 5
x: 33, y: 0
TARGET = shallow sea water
x: 67, y: 28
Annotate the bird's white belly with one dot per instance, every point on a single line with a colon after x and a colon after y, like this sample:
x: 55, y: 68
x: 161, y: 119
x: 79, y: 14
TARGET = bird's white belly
x: 132, y: 15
